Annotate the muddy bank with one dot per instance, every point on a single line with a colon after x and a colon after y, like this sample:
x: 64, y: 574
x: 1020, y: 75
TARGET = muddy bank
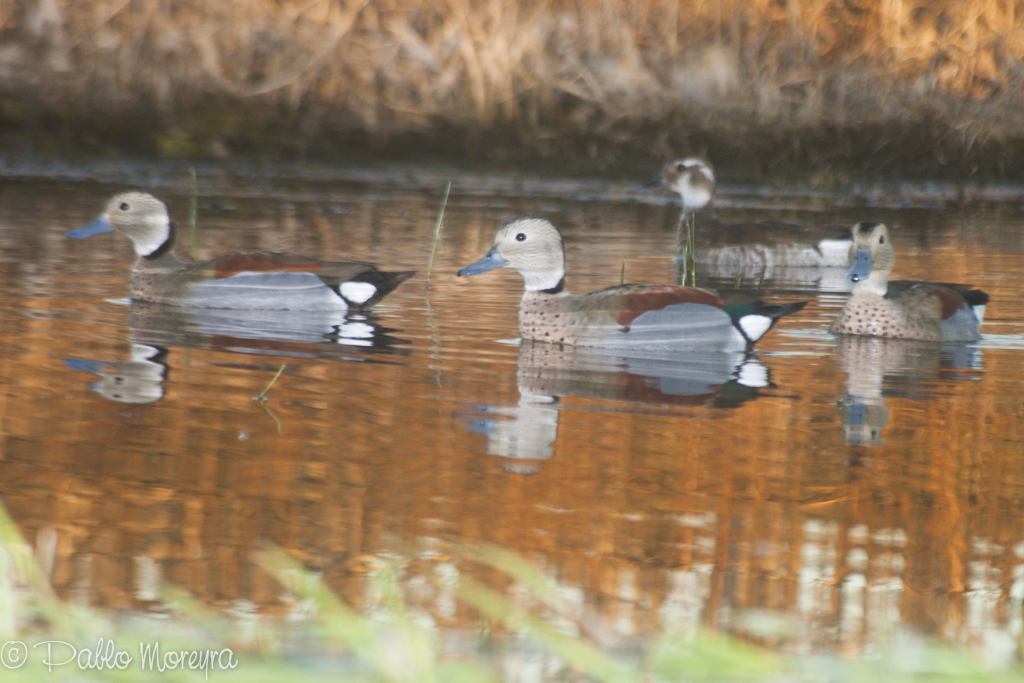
x: 822, y: 90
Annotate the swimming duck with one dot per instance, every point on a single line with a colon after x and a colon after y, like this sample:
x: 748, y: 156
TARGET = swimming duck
x: 255, y: 280
x: 761, y: 243
x: 637, y: 318
x: 903, y: 309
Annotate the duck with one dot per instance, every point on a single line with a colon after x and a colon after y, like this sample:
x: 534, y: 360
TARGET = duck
x: 638, y: 318
x: 251, y: 281
x: 903, y: 309
x: 760, y: 243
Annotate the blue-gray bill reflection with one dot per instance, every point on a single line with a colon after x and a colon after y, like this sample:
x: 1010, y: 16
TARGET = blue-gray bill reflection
x: 140, y: 379
x: 157, y: 328
x: 877, y: 367
x: 524, y: 435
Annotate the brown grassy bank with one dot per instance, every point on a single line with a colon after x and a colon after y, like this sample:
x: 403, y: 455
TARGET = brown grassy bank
x: 918, y: 87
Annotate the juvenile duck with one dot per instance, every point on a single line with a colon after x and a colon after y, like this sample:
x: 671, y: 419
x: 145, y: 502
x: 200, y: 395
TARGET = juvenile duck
x: 756, y: 243
x: 903, y: 309
x: 638, y: 318
x: 255, y: 280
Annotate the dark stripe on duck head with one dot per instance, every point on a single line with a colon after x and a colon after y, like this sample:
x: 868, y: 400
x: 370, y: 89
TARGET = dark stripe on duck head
x: 636, y: 302
x: 864, y: 228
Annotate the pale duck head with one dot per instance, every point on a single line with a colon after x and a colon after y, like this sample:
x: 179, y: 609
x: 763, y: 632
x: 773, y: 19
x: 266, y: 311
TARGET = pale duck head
x: 694, y: 180
x: 139, y: 216
x: 533, y: 247
x: 871, y: 258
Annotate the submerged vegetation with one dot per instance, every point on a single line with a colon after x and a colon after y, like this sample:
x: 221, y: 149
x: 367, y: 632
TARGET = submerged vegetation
x: 922, y: 87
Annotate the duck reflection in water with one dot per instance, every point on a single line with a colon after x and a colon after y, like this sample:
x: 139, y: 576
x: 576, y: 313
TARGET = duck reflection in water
x: 157, y: 328
x: 878, y: 368
x: 300, y: 334
x: 140, y: 379
x: 524, y: 435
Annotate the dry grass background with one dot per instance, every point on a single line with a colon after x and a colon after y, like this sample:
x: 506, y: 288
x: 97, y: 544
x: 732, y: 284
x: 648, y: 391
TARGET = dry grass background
x: 904, y: 84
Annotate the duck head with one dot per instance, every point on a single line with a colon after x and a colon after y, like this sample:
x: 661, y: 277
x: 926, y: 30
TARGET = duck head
x: 533, y: 247
x: 871, y: 258
x: 138, y: 216
x: 692, y: 177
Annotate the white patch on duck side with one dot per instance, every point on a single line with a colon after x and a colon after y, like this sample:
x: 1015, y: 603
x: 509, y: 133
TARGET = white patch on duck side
x: 357, y: 292
x: 754, y: 325
x: 979, y: 313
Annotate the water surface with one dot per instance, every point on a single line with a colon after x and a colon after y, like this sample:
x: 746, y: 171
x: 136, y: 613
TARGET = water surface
x: 834, y: 490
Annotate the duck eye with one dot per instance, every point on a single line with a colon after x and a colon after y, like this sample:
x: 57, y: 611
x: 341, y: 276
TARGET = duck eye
x: 520, y: 237
x: 680, y: 166
x: 881, y: 240
x: 124, y: 206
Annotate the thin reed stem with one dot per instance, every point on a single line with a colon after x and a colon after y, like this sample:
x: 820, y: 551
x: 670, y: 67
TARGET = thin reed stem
x: 686, y: 253
x: 192, y: 210
x: 263, y: 394
x: 437, y: 231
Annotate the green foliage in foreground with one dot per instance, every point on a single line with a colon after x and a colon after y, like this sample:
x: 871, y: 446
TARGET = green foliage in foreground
x: 395, y: 643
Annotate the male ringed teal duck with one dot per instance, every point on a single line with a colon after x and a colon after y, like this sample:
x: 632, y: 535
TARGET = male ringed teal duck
x: 767, y: 243
x: 903, y: 309
x: 253, y: 281
x: 636, y: 318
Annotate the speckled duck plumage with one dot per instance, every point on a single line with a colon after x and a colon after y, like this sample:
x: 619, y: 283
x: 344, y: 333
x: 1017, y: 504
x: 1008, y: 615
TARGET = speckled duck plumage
x: 638, y: 318
x: 903, y: 309
x: 254, y: 281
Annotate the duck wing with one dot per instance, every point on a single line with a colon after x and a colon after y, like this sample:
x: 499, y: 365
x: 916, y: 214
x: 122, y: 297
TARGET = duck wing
x: 330, y: 273
x: 653, y: 318
x: 277, y: 281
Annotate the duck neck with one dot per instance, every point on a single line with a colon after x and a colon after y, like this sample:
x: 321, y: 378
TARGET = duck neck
x: 703, y: 222
x: 155, y: 250
x: 549, y: 280
x: 704, y: 216
x: 557, y: 289
x: 162, y: 259
x: 557, y: 292
x: 877, y: 282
